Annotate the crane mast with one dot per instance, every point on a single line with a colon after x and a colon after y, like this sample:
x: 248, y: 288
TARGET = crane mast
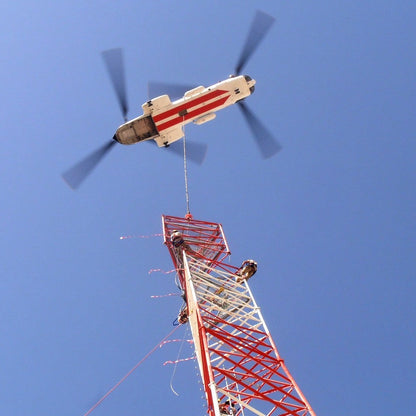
x: 241, y: 369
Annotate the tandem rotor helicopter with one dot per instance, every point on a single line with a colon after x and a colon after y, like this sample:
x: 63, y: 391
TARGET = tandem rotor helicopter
x: 163, y: 120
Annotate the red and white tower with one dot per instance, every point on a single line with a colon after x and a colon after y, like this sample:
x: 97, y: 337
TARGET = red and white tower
x: 241, y: 369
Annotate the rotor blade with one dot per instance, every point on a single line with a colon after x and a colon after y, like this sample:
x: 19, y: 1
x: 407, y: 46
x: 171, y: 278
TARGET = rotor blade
x: 267, y: 144
x: 77, y: 173
x: 113, y: 59
x: 259, y: 27
x: 195, y: 152
x: 175, y: 91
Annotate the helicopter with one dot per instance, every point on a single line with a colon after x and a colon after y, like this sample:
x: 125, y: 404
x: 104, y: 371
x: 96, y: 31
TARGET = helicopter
x: 163, y: 120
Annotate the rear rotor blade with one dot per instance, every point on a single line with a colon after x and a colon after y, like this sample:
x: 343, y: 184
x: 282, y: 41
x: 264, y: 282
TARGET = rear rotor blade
x: 267, y: 144
x: 259, y: 27
x: 77, y: 173
x: 195, y: 152
x: 175, y: 91
x: 113, y: 59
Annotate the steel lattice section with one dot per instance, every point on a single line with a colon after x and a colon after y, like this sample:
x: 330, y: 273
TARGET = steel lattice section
x: 243, y: 360
x: 237, y: 357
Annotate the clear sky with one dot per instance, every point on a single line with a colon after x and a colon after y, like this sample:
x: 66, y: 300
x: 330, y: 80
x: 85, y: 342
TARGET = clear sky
x: 330, y: 219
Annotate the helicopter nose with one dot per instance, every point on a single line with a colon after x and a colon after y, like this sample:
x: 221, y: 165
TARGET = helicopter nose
x: 250, y: 83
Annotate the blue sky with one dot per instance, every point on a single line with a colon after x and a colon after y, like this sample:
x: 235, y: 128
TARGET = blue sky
x: 330, y: 219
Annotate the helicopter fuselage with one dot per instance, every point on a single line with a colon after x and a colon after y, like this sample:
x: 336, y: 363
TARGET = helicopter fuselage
x: 163, y: 120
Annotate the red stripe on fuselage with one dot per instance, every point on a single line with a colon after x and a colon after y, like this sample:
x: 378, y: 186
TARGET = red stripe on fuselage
x: 192, y: 114
x: 188, y: 104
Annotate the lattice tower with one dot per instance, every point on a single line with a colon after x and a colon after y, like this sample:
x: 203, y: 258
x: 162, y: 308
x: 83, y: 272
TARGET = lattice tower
x: 240, y: 366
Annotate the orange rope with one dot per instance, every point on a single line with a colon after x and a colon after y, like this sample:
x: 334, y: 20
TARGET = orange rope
x: 131, y: 371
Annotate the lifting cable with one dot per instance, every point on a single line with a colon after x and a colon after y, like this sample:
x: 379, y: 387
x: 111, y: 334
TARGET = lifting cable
x: 185, y: 171
x: 131, y: 371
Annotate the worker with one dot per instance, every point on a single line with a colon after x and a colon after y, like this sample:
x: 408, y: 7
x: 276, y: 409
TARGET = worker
x: 176, y: 239
x: 247, y: 269
x: 183, y: 315
x: 228, y: 408
x: 220, y: 298
x: 224, y: 407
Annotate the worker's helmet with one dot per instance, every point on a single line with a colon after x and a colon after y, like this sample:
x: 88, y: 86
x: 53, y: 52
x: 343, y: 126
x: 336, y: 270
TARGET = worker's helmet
x: 252, y: 263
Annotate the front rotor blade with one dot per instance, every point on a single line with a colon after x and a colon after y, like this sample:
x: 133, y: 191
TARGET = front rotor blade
x: 259, y: 27
x: 267, y: 144
x: 113, y: 59
x: 195, y: 152
x: 175, y: 91
x: 75, y: 175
